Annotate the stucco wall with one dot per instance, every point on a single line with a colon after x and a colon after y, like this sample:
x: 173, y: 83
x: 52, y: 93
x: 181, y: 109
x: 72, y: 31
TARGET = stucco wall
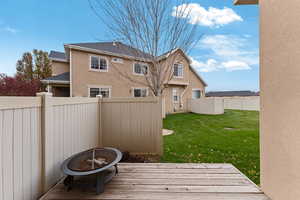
x: 280, y: 98
x: 59, y: 67
x: 83, y: 78
x: 192, y: 81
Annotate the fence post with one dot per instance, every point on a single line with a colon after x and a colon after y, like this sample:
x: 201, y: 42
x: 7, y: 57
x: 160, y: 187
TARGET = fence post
x: 163, y: 107
x: 46, y: 130
x: 160, y: 136
x: 100, y: 120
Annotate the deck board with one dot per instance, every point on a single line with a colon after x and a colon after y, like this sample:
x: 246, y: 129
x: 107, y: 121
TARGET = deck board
x: 163, y: 181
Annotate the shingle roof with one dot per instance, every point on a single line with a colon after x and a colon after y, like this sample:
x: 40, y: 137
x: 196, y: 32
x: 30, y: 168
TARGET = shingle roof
x: 61, y: 77
x: 231, y: 93
x: 57, y: 55
x: 114, y: 47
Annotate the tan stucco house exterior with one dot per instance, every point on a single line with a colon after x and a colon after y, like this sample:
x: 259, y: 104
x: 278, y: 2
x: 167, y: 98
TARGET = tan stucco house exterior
x: 279, y: 112
x: 113, y: 70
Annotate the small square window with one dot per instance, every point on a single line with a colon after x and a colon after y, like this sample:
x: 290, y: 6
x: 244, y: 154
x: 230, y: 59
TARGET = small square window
x: 178, y: 70
x: 196, y: 94
x: 103, y: 64
x: 94, y: 92
x: 98, y: 63
x: 175, y: 95
x: 140, y: 68
x: 175, y: 98
x: 94, y: 62
x: 140, y: 92
x: 105, y: 92
x: 117, y: 60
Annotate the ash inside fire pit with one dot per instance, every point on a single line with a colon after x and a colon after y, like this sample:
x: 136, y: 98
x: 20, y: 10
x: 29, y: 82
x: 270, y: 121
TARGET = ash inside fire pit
x: 91, y: 160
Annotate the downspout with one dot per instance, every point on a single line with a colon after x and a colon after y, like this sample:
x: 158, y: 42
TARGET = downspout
x: 71, y: 94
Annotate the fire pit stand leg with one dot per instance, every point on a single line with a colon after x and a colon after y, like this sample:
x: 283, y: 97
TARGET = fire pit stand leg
x: 68, y: 182
x: 116, y: 167
x: 100, y: 183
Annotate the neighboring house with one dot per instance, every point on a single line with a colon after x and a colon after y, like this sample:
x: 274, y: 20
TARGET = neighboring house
x: 89, y: 69
x: 245, y: 93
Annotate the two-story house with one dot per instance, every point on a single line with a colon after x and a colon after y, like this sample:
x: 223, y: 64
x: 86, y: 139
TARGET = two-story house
x: 113, y: 69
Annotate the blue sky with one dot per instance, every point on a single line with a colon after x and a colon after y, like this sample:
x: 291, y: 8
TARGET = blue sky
x: 226, y: 56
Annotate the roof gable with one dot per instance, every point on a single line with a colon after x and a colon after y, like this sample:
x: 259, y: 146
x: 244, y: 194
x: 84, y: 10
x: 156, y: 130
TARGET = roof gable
x: 169, y: 53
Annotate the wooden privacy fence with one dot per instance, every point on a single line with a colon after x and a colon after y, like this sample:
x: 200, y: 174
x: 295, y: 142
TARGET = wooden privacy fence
x: 38, y: 133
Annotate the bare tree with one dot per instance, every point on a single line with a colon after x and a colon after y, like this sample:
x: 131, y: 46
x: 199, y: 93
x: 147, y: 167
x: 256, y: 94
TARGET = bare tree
x: 157, y: 31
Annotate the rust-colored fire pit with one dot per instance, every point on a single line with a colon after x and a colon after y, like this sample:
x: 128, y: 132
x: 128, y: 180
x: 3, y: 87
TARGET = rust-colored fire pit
x: 101, y: 162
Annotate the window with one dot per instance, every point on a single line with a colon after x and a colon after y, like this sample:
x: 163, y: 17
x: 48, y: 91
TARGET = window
x: 196, y: 94
x: 178, y: 70
x: 175, y: 95
x: 105, y: 92
x: 103, y: 64
x: 140, y: 69
x: 94, y: 62
x: 99, y: 63
x: 117, y: 60
x: 140, y: 92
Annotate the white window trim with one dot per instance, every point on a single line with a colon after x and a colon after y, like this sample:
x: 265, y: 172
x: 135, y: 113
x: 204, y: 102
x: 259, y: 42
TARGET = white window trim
x: 197, y: 89
x: 120, y: 62
x: 182, y: 70
x: 99, y: 87
x: 177, y: 91
x: 137, y: 74
x: 140, y: 88
x: 98, y: 70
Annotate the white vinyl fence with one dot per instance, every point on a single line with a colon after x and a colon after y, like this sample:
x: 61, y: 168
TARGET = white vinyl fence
x: 241, y: 103
x: 210, y: 106
x: 70, y: 126
x: 20, y: 148
x: 132, y: 124
x: 38, y: 133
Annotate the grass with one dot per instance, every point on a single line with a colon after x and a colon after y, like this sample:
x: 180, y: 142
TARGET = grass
x: 229, y: 138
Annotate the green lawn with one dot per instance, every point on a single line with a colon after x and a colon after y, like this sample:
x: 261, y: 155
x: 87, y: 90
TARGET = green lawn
x: 229, y: 138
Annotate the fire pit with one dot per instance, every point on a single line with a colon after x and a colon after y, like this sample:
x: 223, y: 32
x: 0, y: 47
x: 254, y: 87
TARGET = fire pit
x: 101, y: 162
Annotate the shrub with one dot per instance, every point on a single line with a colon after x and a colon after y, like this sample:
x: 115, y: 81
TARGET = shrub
x: 18, y: 86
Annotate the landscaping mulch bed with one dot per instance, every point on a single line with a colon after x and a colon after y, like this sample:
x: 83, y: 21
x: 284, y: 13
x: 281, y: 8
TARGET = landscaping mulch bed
x: 127, y: 157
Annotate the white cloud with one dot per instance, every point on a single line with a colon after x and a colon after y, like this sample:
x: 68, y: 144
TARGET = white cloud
x: 212, y: 65
x: 10, y: 30
x: 230, y: 52
x: 208, y: 66
x: 212, y: 17
x: 235, y: 65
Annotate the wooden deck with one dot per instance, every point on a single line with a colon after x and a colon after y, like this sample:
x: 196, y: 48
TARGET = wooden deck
x: 159, y: 181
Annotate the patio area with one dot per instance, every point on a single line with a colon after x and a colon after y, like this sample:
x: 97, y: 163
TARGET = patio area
x: 170, y: 181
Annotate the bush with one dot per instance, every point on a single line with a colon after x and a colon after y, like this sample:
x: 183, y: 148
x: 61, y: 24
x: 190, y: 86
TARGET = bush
x: 18, y: 86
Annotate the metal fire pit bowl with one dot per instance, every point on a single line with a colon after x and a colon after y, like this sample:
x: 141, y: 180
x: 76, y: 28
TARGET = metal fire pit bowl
x: 101, y: 162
